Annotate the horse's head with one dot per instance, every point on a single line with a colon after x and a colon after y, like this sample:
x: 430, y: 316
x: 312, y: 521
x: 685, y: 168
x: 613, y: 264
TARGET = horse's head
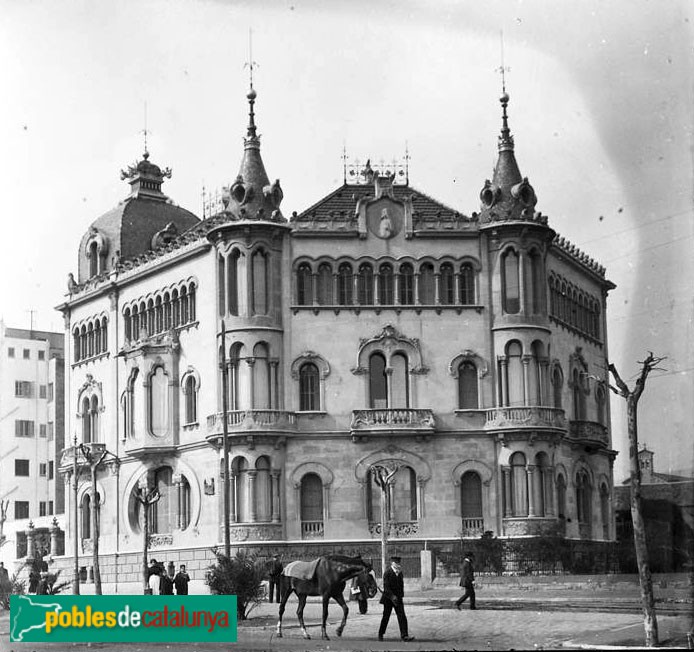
x: 370, y: 582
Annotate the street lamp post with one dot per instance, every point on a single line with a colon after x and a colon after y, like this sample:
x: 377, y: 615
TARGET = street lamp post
x: 86, y: 450
x: 384, y: 475
x: 76, y: 578
x: 225, y: 439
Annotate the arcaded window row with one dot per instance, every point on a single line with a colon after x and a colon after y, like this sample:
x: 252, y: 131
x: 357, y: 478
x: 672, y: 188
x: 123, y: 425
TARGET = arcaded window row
x: 574, y: 307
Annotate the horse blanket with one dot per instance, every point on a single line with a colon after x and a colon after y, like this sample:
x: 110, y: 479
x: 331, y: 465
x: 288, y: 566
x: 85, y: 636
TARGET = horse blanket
x: 301, y: 570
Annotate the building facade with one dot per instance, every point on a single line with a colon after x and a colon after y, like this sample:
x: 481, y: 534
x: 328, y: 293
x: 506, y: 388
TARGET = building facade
x: 32, y: 501
x: 379, y: 326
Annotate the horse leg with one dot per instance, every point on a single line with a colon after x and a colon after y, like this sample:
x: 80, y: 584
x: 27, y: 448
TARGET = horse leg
x: 300, y: 613
x: 286, y: 589
x: 323, y: 632
x: 339, y: 598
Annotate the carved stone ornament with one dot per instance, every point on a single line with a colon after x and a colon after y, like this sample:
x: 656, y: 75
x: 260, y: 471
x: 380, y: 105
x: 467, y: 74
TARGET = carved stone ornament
x: 208, y: 484
x: 388, y: 342
x: 160, y: 540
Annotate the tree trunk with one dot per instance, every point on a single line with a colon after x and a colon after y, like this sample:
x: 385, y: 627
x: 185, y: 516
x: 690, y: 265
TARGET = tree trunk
x: 95, y: 534
x: 384, y: 531
x: 145, y: 546
x: 650, y: 621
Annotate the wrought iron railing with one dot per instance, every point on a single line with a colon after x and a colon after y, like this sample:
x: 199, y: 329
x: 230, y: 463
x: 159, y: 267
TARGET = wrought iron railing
x: 472, y: 527
x: 312, y: 529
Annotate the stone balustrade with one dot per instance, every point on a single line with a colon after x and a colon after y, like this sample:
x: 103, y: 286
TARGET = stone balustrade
x: 524, y: 417
x: 589, y: 431
x: 252, y: 420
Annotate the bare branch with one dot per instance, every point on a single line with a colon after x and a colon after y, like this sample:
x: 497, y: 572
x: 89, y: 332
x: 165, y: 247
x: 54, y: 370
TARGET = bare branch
x: 623, y: 389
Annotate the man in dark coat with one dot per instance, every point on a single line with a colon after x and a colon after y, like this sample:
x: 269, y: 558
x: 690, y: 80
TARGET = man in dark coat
x: 392, y: 598
x: 274, y: 573
x: 467, y: 581
x: 181, y: 581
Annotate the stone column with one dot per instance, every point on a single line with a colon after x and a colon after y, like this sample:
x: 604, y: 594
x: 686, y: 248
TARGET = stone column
x: 417, y: 302
x: 273, y: 385
x: 176, y: 480
x: 396, y: 288
x: 548, y: 475
x: 389, y: 386
x: 54, y: 529
x: 532, y: 489
x: 506, y: 471
x: 31, y: 542
x: 252, y: 511
x: 522, y: 282
x: 275, y: 475
x: 526, y: 378
x: 437, y: 288
x: 420, y: 498
x: 232, y: 497
x: 355, y: 288
x: 503, y: 363
x: 251, y: 382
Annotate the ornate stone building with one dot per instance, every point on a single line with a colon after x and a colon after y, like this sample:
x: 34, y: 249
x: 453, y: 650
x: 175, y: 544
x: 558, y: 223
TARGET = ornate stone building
x: 378, y: 326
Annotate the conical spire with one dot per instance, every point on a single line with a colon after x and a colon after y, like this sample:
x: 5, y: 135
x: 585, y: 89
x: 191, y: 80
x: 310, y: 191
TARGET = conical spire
x: 508, y: 196
x: 252, y: 196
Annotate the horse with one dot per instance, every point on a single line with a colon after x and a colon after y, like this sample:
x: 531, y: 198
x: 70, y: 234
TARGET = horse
x: 328, y: 581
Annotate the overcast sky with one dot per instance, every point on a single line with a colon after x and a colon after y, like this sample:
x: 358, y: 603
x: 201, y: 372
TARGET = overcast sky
x: 601, y: 110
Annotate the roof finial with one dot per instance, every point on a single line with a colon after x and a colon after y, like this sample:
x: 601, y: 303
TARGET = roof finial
x: 344, y: 162
x: 145, y: 132
x: 505, y: 140
x: 407, y: 163
x: 251, y: 95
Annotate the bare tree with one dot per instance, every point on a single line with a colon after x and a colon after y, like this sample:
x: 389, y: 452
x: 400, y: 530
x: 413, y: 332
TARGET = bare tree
x: 384, y: 475
x: 94, y: 463
x: 645, y: 580
x: 4, y: 504
x: 146, y: 498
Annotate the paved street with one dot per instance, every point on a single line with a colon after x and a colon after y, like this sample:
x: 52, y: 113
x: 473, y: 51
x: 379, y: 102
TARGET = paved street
x: 511, y: 615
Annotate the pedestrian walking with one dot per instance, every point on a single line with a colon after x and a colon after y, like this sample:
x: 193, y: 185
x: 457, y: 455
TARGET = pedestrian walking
x: 155, y: 578
x: 42, y: 587
x: 167, y: 580
x: 467, y: 581
x: 274, y: 573
x: 181, y: 581
x: 393, y: 598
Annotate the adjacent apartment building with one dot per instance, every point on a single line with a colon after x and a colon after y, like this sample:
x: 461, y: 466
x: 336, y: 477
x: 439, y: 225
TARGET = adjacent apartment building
x: 377, y: 326
x: 32, y: 427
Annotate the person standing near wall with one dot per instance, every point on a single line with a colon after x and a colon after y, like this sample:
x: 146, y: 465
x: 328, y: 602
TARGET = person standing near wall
x: 275, y: 568
x: 467, y: 581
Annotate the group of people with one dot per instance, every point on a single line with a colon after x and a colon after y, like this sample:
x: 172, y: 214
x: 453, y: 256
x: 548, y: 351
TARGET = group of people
x: 394, y: 593
x: 163, y: 581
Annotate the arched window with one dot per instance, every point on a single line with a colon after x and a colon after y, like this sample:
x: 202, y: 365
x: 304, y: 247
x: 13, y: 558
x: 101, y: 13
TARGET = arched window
x: 541, y: 485
x: 259, y: 269
x: 426, y: 284
x: 234, y: 375
x: 86, y: 507
x: 467, y: 284
x: 605, y: 510
x: 324, y: 289
x: 221, y: 285
x: 239, y: 469
x: 184, y: 508
x: 365, y: 285
x: 135, y: 324
x: 584, y: 494
x: 385, y: 285
x: 471, y: 503
x: 578, y: 396
x: 400, y: 381
x: 104, y: 335
x: 128, y: 405
x: 511, y: 282
x: 94, y: 419
x: 304, y: 285
x: 311, y: 506
x: 232, y: 267
x: 159, y: 402
x: 557, y: 382
x: 536, y: 290
x: 446, y: 285
x: 345, y: 285
x: 600, y: 404
x: 552, y: 297
x: 185, y: 314
x: 86, y: 422
x: 175, y: 308
x: 519, y: 485
x: 97, y: 337
x: 162, y: 516
x: 76, y: 345
x: 191, y: 302
x: 168, y: 323
x: 468, y: 397
x: 404, y: 495
x: 261, y: 377
x: 535, y: 389
x: 561, y: 503
x: 263, y: 489
x: 93, y: 259
x: 151, y: 330
x: 515, y: 374
x: 406, y: 290
x: 191, y: 399
x: 90, y: 340
x: 309, y: 387
x: 378, y: 382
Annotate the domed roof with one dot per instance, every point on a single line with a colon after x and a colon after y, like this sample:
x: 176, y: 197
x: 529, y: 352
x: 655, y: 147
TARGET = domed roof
x: 128, y: 230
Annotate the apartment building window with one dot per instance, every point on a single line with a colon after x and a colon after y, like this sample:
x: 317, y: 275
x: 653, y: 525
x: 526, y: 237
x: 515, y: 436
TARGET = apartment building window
x: 21, y: 509
x: 50, y: 470
x: 50, y: 508
x: 26, y: 354
x: 42, y: 355
x: 22, y: 388
x: 21, y: 468
x: 42, y: 469
x: 23, y: 428
x: 42, y: 508
x: 10, y: 352
x: 42, y: 430
x: 50, y: 431
x: 50, y: 392
x: 42, y: 389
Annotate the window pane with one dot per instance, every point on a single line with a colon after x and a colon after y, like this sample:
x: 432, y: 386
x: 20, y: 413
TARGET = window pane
x: 345, y: 285
x: 426, y: 285
x: 406, y: 285
x: 159, y: 404
x: 309, y: 389
x: 324, y: 291
x: 471, y: 495
x: 311, y: 498
x: 447, y: 287
x: 400, y: 379
x: 385, y: 285
x: 365, y: 284
x: 467, y: 386
x: 511, y: 283
x: 377, y: 381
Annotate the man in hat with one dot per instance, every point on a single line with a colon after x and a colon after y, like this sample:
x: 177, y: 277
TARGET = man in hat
x: 392, y: 598
x: 467, y: 581
x: 274, y: 573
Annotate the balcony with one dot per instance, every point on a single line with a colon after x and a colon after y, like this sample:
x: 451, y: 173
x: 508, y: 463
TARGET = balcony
x: 392, y: 421
x: 524, y: 417
x: 472, y: 527
x: 311, y: 529
x: 67, y: 459
x: 589, y: 432
x: 247, y: 424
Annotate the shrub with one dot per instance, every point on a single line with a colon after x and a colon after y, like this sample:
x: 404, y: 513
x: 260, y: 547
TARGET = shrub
x: 14, y: 587
x: 239, y: 576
